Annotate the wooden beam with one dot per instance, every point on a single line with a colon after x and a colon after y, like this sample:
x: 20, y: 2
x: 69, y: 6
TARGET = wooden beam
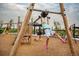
x: 67, y: 30
x: 47, y: 11
x: 22, y: 30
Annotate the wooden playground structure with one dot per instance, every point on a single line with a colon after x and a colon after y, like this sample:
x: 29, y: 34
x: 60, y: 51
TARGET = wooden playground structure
x: 56, y: 47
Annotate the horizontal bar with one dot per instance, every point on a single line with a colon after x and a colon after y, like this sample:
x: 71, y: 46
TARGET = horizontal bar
x: 47, y: 11
x: 36, y: 24
x: 11, y: 23
x: 76, y: 27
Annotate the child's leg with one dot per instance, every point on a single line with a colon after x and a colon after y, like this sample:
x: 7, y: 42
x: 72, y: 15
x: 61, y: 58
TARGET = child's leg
x: 47, y: 33
x: 60, y: 37
x: 47, y: 41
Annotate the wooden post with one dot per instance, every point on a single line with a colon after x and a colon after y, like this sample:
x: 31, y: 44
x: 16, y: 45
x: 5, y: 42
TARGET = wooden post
x: 22, y: 30
x: 18, y: 24
x: 67, y: 29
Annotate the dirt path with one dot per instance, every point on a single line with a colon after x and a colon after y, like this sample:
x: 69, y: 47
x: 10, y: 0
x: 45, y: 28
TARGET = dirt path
x: 37, y: 48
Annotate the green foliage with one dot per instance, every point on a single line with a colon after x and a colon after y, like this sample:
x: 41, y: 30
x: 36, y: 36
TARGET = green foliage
x: 62, y: 33
x: 1, y: 30
x: 57, y: 25
x: 13, y: 30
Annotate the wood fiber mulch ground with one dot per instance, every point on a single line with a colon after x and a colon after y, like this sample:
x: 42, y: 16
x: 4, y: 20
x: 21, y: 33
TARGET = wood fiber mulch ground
x: 36, y: 48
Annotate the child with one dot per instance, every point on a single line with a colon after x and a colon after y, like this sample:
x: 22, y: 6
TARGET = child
x: 48, y: 32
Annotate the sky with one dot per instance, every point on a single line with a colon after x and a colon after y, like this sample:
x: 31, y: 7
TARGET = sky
x: 13, y: 10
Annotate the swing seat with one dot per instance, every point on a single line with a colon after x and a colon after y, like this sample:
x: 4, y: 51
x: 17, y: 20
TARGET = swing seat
x: 26, y: 39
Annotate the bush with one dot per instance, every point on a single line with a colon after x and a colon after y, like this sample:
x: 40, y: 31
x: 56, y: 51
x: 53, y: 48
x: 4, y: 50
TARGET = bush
x: 14, y: 30
x: 1, y: 30
x: 62, y: 33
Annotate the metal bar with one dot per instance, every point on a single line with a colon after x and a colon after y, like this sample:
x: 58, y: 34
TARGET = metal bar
x: 37, y: 19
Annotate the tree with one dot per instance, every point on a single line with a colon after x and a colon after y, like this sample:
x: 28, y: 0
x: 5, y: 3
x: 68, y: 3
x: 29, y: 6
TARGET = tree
x: 10, y: 23
x: 1, y: 23
x: 32, y: 20
x: 57, y: 25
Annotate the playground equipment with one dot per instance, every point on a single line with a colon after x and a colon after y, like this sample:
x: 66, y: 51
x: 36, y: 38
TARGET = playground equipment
x: 75, y: 32
x: 37, y: 25
x: 24, y: 27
